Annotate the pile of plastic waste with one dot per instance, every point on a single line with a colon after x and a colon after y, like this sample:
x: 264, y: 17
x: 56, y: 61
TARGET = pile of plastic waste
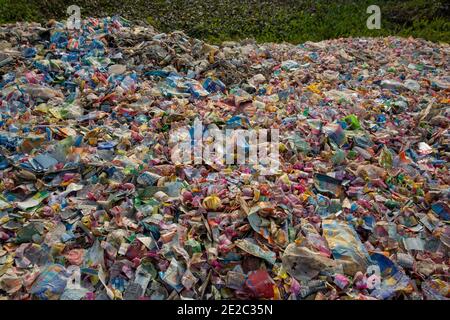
x: 92, y: 206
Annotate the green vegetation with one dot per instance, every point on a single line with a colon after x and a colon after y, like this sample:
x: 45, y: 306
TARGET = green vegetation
x: 266, y: 21
x: 18, y: 10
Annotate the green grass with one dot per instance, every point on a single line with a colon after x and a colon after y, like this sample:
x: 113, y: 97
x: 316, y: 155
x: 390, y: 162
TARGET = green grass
x: 293, y: 21
x: 18, y: 10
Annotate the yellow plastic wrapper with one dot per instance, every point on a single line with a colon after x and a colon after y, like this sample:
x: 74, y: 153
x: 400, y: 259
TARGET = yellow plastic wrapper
x: 345, y: 246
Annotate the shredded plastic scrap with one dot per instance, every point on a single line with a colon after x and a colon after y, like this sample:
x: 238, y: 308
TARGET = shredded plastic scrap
x: 93, y: 207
